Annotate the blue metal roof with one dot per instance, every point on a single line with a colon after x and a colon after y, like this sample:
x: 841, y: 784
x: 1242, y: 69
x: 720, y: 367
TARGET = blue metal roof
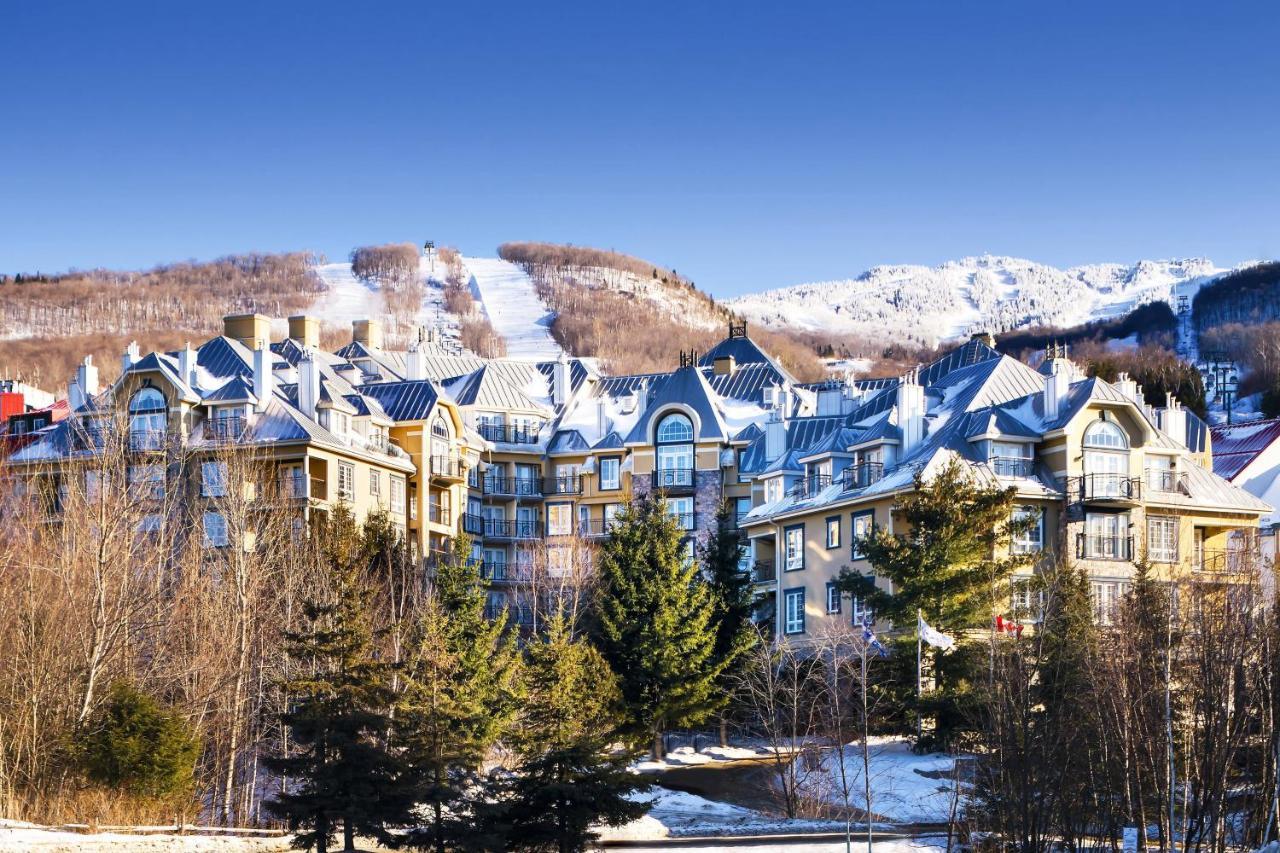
x: 403, y: 401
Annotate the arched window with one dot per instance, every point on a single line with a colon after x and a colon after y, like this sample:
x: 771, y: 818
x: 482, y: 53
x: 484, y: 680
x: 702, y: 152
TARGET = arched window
x: 675, y: 427
x: 1106, y: 435
x: 438, y: 428
x: 440, y: 443
x: 675, y: 451
x: 148, y: 419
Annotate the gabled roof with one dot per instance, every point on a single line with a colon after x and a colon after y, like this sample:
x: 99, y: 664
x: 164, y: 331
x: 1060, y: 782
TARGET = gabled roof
x: 686, y: 388
x: 612, y: 441
x: 403, y: 401
x: 568, y: 441
x: 486, y: 389
x: 995, y: 422
x: 1237, y: 445
x: 235, y: 390
x: 789, y: 461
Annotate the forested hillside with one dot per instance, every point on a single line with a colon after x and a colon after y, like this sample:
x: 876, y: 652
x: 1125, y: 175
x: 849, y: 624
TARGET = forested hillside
x: 49, y: 322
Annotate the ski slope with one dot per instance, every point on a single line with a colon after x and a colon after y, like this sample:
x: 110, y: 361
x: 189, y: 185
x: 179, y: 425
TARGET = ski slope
x: 513, y: 307
x: 347, y: 298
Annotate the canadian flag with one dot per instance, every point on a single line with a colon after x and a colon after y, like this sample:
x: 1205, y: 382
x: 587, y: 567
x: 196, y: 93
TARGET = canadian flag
x: 1008, y: 626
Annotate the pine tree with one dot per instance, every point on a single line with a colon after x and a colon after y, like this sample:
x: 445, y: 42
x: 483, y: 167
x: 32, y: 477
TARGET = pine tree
x: 135, y: 744
x: 946, y: 565
x: 733, y: 604
x: 338, y: 716
x: 566, y: 780
x: 461, y: 687
x: 652, y: 623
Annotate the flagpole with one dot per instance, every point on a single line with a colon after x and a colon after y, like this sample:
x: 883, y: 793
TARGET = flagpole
x: 919, y: 675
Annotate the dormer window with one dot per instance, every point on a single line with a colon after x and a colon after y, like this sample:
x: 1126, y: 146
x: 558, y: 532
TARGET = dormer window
x: 675, y: 450
x: 336, y: 422
x: 1010, y: 458
x: 1106, y: 459
x: 148, y: 419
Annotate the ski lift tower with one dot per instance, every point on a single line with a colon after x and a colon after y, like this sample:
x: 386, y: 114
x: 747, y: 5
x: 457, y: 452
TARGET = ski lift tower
x: 429, y: 252
x: 1224, y: 380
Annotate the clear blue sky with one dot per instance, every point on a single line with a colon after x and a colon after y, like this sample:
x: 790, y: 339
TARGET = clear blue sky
x: 748, y: 146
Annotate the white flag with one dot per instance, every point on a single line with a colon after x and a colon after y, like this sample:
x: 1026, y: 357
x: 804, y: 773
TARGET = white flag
x: 933, y: 636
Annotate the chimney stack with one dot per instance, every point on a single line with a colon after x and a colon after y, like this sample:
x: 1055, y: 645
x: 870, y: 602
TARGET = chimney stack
x: 560, y: 380
x: 247, y: 328
x: 1173, y: 420
x: 130, y: 357
x: 263, y: 377
x: 415, y: 365
x: 911, y: 411
x: 187, y: 364
x: 87, y: 377
x: 1056, y: 385
x: 75, y: 398
x: 305, y: 330
x: 367, y: 332
x: 308, y: 385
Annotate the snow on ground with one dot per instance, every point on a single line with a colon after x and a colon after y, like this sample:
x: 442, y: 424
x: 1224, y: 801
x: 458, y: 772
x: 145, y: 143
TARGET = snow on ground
x: 18, y: 836
x: 685, y: 756
x: 897, y: 845
x: 511, y: 302
x: 677, y: 813
x: 905, y: 787
x: 346, y: 298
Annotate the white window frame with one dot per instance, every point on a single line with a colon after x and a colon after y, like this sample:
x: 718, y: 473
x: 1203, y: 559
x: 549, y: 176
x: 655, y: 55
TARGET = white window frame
x: 559, y: 519
x: 1162, y: 538
x: 213, y: 479
x: 793, y: 611
x: 397, y: 494
x: 833, y: 599
x: 346, y: 480
x: 216, y: 534
x: 793, y: 548
x: 1028, y: 541
x: 610, y: 472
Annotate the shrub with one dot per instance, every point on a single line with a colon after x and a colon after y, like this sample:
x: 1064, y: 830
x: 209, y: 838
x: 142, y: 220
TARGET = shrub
x: 135, y: 744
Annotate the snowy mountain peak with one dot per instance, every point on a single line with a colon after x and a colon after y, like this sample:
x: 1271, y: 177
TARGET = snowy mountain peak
x: 987, y: 293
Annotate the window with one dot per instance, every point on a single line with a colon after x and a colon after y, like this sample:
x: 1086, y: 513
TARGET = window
x: 610, y: 478
x: 439, y: 429
x: 681, y: 509
x: 859, y: 612
x: 1028, y: 540
x: 1107, y: 596
x: 397, y: 494
x: 213, y: 479
x: 1105, y: 434
x: 833, y: 597
x: 146, y: 481
x: 793, y: 611
x: 862, y: 525
x: 610, y: 513
x: 1010, y: 458
x: 1160, y: 473
x: 741, y: 458
x: 584, y: 519
x: 688, y: 552
x: 833, y: 532
x: 148, y: 416
x: 150, y: 525
x: 675, y: 427
x: 346, y: 479
x: 559, y: 519
x: 375, y: 483
x: 215, y: 530
x: 293, y: 481
x: 675, y: 449
x: 1025, y: 601
x: 794, y: 547
x: 772, y: 490
x: 1106, y: 536
x: 1162, y: 538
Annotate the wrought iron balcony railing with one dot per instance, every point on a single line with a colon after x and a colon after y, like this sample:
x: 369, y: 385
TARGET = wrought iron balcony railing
x: 1093, y: 546
x: 673, y: 479
x: 862, y: 475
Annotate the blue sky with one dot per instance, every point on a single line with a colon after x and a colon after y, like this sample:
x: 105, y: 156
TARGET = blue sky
x: 749, y: 146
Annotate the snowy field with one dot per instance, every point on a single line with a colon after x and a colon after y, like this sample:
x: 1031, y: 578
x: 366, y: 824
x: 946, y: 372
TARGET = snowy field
x: 347, y: 298
x: 513, y: 307
x: 16, y: 836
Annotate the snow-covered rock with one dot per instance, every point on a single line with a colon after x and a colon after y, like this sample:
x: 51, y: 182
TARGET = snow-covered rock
x: 987, y: 293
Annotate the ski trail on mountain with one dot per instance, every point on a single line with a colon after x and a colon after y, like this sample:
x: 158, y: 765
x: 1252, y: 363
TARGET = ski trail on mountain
x: 511, y: 302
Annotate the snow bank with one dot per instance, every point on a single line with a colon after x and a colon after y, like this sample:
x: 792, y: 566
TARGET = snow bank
x: 905, y: 787
x: 18, y: 836
x: 680, y: 814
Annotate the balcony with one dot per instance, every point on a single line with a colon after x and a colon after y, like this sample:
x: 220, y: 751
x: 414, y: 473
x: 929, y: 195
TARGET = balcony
x: 319, y: 489
x: 1012, y: 466
x: 511, y: 487
x: 437, y: 514
x: 1164, y: 480
x: 764, y: 571
x: 498, y: 528
x: 810, y: 486
x: 862, y: 475
x: 1225, y: 561
x: 1107, y: 489
x: 563, y: 486
x: 673, y: 480
x: 380, y: 443
x: 472, y: 524
x: 227, y: 429
x: 595, y: 528
x: 146, y: 439
x: 509, y: 434
x: 446, y: 468
x: 1093, y: 546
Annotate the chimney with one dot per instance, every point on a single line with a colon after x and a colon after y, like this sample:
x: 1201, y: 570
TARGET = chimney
x: 1173, y: 420
x: 367, y: 332
x: 560, y: 380
x: 911, y: 411
x: 724, y: 365
x: 87, y: 377
x: 308, y: 385
x: 187, y: 364
x: 248, y: 329
x: 263, y: 378
x: 75, y: 399
x: 415, y: 363
x: 1128, y: 388
x: 1056, y: 384
x: 305, y: 330
x: 984, y: 337
x: 602, y: 419
x: 130, y: 357
x: 830, y: 399
x: 775, y: 436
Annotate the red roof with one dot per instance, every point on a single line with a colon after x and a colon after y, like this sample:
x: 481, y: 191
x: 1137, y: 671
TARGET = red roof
x: 1235, y: 446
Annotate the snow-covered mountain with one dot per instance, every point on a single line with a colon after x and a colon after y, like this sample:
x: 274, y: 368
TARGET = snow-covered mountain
x: 988, y: 293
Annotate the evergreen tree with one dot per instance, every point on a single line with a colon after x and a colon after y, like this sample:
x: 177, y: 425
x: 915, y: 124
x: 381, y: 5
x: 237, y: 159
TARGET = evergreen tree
x: 652, y: 623
x: 135, y: 744
x: 566, y: 780
x: 338, y: 716
x: 461, y: 687
x: 733, y: 603
x: 951, y: 563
